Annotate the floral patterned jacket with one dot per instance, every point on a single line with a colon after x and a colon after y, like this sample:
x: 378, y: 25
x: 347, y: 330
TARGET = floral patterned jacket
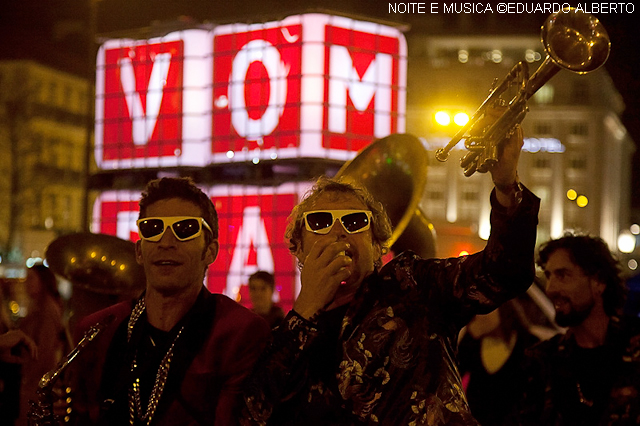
x: 573, y: 386
x: 389, y: 357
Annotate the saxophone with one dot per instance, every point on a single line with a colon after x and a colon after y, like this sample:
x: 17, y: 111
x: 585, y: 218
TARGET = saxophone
x: 41, y: 411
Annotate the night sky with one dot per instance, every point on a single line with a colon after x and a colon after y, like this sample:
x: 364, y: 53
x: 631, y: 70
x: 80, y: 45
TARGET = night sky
x: 52, y: 30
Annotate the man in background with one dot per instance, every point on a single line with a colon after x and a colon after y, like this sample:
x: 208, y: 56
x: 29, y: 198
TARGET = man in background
x: 589, y: 375
x: 261, y: 288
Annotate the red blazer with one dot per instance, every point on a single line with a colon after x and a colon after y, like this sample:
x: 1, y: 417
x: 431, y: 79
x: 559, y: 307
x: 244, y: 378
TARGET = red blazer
x: 208, y: 390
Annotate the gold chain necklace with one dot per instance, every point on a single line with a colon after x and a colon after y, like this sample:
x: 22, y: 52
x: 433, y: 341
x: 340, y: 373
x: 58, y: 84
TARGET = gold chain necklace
x: 135, y: 404
x: 581, y: 397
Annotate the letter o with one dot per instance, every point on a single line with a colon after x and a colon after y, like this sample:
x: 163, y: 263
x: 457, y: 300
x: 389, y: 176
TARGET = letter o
x: 265, y: 52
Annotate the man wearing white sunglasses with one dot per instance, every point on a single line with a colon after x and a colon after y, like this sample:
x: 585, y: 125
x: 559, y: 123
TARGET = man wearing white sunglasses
x: 367, y: 344
x: 178, y: 354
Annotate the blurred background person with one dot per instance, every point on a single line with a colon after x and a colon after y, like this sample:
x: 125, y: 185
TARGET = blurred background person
x: 44, y: 323
x: 491, y: 351
x: 589, y: 375
x: 16, y: 348
x: 261, y: 288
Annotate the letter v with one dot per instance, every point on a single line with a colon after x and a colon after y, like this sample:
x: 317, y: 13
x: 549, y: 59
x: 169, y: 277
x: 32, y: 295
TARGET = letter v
x: 143, y: 123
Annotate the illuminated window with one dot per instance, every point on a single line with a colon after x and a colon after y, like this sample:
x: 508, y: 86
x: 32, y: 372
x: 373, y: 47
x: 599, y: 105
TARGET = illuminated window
x: 544, y: 95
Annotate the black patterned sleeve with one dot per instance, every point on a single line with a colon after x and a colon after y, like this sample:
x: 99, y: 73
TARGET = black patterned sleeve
x: 456, y: 289
x: 281, y: 370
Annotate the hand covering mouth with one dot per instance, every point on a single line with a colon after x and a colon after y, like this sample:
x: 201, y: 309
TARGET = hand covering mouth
x: 347, y: 253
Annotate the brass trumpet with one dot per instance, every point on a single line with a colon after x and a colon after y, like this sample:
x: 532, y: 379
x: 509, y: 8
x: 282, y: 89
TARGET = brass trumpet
x: 41, y: 410
x: 573, y: 40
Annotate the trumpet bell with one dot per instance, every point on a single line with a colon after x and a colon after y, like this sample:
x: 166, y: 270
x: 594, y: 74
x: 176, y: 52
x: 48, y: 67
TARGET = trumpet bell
x: 575, y: 40
x: 394, y: 170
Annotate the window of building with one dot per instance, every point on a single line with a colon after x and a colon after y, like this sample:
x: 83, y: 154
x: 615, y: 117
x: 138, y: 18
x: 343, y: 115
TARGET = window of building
x: 66, y: 213
x: 541, y: 128
x: 577, y: 162
x: 544, y: 95
x: 53, y: 92
x: 579, y: 129
x: 580, y: 92
x: 541, y: 162
x: 37, y: 93
x: 469, y: 194
x: 435, y: 195
x: 68, y: 97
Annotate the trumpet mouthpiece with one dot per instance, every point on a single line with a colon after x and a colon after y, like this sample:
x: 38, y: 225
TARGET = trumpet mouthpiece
x: 442, y: 155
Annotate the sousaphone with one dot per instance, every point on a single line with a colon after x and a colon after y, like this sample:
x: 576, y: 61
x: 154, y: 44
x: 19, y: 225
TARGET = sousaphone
x: 394, y: 170
x: 102, y: 270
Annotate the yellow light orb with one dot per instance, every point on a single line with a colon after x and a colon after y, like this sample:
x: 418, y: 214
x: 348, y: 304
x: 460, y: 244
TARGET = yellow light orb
x: 442, y: 118
x: 461, y: 118
x: 572, y: 194
x: 582, y: 201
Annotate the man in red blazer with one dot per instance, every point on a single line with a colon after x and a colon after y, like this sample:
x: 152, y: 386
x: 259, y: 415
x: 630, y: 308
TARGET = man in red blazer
x: 178, y: 354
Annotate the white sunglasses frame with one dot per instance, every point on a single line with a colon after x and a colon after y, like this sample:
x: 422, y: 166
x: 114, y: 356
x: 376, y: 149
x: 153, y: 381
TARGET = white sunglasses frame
x: 168, y: 222
x: 337, y: 215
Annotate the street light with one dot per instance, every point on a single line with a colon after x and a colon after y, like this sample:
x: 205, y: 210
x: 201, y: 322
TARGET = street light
x: 443, y: 118
x: 626, y: 242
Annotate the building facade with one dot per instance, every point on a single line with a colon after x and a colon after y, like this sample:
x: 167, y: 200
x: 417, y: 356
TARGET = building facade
x: 577, y: 153
x: 43, y: 138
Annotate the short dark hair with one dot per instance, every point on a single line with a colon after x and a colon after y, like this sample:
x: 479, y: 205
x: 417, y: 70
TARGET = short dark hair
x: 184, y: 188
x: 265, y: 276
x: 593, y: 256
x: 380, y: 225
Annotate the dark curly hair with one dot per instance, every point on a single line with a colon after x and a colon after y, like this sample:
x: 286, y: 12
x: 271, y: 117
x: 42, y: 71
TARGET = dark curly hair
x: 593, y: 256
x: 185, y: 189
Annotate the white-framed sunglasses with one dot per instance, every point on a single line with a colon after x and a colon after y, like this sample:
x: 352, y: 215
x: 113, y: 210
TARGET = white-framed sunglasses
x: 185, y: 228
x: 353, y: 221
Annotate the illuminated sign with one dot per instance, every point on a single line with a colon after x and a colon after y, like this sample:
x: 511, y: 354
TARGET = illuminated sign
x: 115, y: 213
x: 551, y: 145
x: 543, y: 145
x: 251, y: 222
x: 151, y: 98
x: 311, y: 85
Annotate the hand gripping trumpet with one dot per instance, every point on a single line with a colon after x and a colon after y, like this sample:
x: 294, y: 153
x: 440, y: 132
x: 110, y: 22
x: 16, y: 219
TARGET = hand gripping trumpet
x: 41, y: 411
x: 573, y: 40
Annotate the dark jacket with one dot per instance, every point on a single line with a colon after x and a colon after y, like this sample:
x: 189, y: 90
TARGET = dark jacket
x: 389, y: 357
x: 216, y: 350
x: 572, y: 386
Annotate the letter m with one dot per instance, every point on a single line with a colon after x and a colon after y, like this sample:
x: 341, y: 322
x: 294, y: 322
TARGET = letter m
x: 345, y: 81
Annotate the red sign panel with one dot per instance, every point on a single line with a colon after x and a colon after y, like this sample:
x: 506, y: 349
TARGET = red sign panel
x: 363, y: 89
x: 310, y: 86
x: 256, y: 87
x: 252, y: 224
x: 146, y: 94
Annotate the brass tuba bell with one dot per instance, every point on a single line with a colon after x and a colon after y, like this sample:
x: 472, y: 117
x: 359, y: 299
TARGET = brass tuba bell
x: 394, y: 170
